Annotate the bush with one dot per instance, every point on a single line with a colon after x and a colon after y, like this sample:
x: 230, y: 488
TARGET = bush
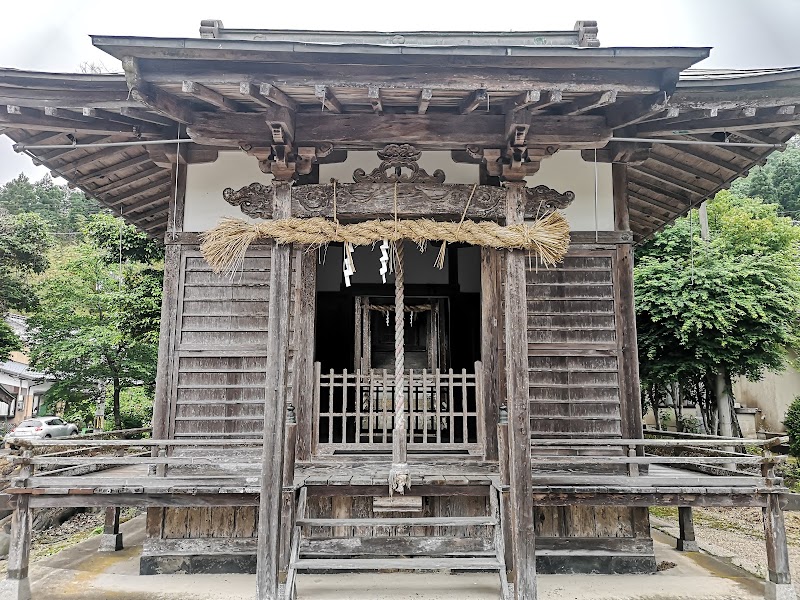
x: 792, y: 423
x: 690, y: 424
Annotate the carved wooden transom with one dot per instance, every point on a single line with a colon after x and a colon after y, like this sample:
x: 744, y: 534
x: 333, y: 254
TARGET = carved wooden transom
x: 399, y: 166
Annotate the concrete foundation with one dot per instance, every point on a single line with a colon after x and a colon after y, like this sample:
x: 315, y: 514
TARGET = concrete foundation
x: 110, y: 542
x: 15, y: 589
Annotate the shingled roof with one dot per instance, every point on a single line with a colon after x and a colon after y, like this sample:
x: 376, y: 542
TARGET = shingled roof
x: 444, y: 90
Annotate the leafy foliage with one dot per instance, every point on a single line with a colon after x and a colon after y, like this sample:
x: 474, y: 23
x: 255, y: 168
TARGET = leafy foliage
x: 792, y: 423
x: 97, y: 323
x: 114, y: 237
x: 23, y: 245
x: 62, y: 209
x: 777, y: 182
x: 730, y: 303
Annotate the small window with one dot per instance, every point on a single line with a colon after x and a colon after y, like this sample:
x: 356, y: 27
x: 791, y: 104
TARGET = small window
x: 55, y: 422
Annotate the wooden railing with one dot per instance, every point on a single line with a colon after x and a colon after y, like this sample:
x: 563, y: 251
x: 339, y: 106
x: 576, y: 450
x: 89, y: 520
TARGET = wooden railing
x: 355, y: 410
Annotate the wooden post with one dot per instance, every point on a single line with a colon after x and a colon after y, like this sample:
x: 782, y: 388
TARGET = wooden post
x: 505, y: 475
x: 111, y: 538
x: 490, y: 346
x: 288, y: 499
x: 779, y: 581
x: 17, y: 585
x: 269, y: 513
x: 303, y: 388
x: 519, y: 429
x: 686, y: 541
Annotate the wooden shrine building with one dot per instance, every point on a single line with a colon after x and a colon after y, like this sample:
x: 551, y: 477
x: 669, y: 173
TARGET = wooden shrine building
x: 485, y: 415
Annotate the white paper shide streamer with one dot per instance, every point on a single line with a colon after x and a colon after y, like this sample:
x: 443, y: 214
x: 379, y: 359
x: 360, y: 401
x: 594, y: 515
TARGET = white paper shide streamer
x: 384, y: 260
x: 348, y: 268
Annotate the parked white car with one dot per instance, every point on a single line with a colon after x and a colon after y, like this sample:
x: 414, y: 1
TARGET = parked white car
x: 41, y: 428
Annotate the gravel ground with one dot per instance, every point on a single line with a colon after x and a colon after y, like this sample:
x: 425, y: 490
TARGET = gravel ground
x: 737, y: 533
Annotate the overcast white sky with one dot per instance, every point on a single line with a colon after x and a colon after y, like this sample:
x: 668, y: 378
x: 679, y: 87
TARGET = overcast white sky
x: 52, y: 35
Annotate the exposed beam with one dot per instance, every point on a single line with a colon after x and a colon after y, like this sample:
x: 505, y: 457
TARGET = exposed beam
x: 472, y: 101
x: 535, y: 100
x: 374, y: 95
x: 114, y: 186
x: 125, y: 164
x: 585, y: 104
x: 41, y: 122
x: 735, y: 150
x: 636, y: 110
x: 713, y: 125
x: 266, y: 95
x: 163, y: 185
x: 100, y: 113
x: 718, y: 162
x: 44, y: 138
x: 145, y: 115
x: 424, y: 100
x: 63, y: 113
x: 277, y: 96
x: 326, y: 96
x: 686, y: 168
x: 166, y: 184
x: 655, y: 203
x: 754, y: 136
x: 153, y: 212
x: 668, y: 179
x: 151, y: 96
x: 430, y: 131
x: 683, y: 198
x: 209, y: 96
x: 88, y: 159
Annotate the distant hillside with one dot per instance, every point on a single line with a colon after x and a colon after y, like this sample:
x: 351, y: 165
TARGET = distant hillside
x: 63, y: 209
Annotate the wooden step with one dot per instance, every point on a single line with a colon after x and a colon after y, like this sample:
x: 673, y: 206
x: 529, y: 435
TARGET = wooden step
x: 390, y: 521
x: 401, y: 564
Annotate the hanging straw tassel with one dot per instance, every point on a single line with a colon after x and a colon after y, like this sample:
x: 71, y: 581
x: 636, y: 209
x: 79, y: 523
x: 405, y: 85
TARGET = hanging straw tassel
x: 439, y: 263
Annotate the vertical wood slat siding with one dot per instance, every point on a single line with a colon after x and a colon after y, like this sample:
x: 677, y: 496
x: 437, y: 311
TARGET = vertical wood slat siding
x: 573, y: 347
x: 217, y: 383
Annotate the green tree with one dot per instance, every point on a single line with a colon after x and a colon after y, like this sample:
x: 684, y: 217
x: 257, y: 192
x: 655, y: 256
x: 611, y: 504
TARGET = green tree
x: 725, y: 305
x: 64, y: 210
x: 94, y: 324
x: 23, y: 246
x: 777, y: 182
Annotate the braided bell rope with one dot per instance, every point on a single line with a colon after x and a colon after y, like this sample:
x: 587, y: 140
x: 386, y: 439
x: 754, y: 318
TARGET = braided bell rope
x: 399, y: 471
x: 225, y: 245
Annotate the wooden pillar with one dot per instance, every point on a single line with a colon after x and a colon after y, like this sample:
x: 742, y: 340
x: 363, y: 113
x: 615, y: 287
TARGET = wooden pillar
x: 304, y: 321
x: 519, y: 429
x: 779, y: 581
x: 491, y: 330
x: 269, y: 514
x: 17, y: 585
x: 111, y: 538
x: 506, y: 519
x: 686, y: 541
x: 288, y: 496
x: 630, y: 397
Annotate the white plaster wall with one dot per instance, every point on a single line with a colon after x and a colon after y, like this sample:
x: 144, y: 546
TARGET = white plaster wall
x: 205, y: 182
x: 772, y: 395
x: 564, y: 171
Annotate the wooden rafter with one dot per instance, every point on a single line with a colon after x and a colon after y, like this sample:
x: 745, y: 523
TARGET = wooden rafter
x: 425, y: 97
x: 686, y: 168
x: 25, y: 118
x: 536, y: 100
x: 585, y: 104
x: 326, y: 96
x: 683, y: 198
x: 374, y: 95
x: 664, y: 178
x: 636, y: 110
x: 115, y: 186
x: 473, y: 100
x: 120, y: 166
x: 266, y: 95
x: 88, y: 159
x: 711, y: 159
x: 145, y: 115
x: 713, y: 125
x: 147, y: 200
x: 209, y: 96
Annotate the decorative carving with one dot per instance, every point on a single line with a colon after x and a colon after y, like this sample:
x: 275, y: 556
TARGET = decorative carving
x: 254, y: 200
x: 399, y: 166
x: 542, y: 200
x: 413, y: 199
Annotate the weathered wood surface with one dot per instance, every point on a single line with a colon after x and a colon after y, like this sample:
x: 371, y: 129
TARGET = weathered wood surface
x: 303, y: 370
x: 491, y: 333
x: 777, y: 545
x: 686, y: 539
x: 518, y: 399
x: 275, y: 400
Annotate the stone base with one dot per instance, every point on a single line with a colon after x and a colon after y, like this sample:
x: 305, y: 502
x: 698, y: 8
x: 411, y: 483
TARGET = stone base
x: 189, y: 564
x: 687, y: 546
x: 110, y: 542
x: 608, y: 564
x: 779, y: 591
x: 15, y: 589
